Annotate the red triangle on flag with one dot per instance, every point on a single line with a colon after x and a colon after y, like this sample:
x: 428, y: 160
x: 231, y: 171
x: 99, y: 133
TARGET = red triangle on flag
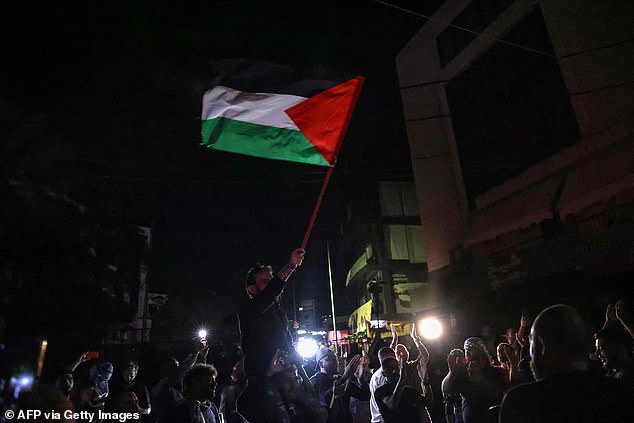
x: 324, y: 118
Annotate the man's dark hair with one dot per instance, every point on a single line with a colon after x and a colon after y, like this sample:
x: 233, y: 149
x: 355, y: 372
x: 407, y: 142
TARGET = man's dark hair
x: 385, y: 352
x: 257, y: 268
x: 387, y: 360
x: 199, y: 371
x: 127, y: 362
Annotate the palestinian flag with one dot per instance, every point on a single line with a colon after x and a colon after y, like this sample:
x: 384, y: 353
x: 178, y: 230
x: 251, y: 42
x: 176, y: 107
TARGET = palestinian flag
x: 280, y: 126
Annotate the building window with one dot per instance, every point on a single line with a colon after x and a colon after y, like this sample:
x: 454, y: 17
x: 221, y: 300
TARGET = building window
x: 398, y: 199
x: 404, y: 242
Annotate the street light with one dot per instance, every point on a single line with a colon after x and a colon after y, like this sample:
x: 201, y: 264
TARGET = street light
x: 430, y: 328
x: 307, y: 347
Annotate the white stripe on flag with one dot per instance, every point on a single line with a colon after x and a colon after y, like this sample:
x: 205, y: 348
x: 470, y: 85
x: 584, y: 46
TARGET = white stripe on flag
x: 260, y: 108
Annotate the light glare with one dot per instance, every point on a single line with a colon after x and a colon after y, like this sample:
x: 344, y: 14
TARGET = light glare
x: 307, y: 347
x: 202, y: 334
x: 430, y: 328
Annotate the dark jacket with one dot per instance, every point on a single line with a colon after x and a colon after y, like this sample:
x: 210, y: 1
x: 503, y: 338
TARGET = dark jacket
x: 569, y: 397
x: 263, y: 328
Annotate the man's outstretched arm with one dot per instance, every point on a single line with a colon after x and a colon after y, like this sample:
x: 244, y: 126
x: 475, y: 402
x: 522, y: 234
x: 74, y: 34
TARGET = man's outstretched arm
x: 269, y: 295
x: 422, y: 350
x: 294, y: 261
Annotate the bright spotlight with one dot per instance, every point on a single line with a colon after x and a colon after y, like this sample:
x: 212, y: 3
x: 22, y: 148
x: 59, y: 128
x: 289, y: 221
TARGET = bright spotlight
x: 307, y: 347
x: 202, y: 334
x: 25, y: 381
x: 430, y: 328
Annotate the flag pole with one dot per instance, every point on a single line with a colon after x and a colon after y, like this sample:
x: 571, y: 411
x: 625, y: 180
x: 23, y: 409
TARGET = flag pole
x: 335, y: 155
x: 332, y: 301
x: 316, y: 210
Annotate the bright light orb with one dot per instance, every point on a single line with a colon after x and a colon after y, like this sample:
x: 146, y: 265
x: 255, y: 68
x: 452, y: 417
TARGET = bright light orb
x: 430, y: 328
x: 307, y: 347
x: 25, y: 381
x: 202, y: 334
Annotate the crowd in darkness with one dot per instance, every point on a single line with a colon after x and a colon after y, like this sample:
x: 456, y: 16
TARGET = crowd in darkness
x: 546, y: 370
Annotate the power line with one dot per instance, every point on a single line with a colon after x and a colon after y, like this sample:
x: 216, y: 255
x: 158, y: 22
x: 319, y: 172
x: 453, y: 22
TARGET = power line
x: 478, y: 34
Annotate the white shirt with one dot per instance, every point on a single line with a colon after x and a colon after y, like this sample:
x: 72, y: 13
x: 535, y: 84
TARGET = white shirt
x: 377, y: 380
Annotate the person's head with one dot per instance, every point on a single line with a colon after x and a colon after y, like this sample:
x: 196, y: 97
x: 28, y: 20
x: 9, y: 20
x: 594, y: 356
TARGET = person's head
x: 476, y: 354
x: 390, y: 369
x: 101, y: 373
x: 486, y: 332
x: 129, y: 371
x: 237, y: 372
x: 612, y: 348
x: 503, y: 350
x: 509, y: 335
x: 200, y: 382
x: 258, y: 278
x: 65, y: 382
x: 327, y: 361
x: 401, y: 351
x: 559, y: 341
x: 386, y: 352
x: 458, y: 355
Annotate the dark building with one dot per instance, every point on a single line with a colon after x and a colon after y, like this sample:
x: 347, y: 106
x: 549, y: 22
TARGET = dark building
x: 388, y: 278
x: 522, y: 148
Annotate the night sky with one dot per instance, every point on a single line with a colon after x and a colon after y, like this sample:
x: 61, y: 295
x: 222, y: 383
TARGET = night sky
x: 112, y: 92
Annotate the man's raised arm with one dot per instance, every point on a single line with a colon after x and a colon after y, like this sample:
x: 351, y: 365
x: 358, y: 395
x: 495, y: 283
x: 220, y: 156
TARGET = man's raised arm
x: 294, y: 261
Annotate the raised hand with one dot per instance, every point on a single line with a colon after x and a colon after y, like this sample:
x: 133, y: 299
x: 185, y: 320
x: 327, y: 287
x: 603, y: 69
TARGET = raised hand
x: 297, y: 257
x: 352, y: 366
x: 456, y: 361
x: 414, y: 331
x: 358, y: 373
x: 610, y: 313
x: 623, y: 314
x: 277, y: 364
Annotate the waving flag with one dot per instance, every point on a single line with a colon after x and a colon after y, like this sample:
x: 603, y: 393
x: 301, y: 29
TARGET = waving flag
x: 279, y: 126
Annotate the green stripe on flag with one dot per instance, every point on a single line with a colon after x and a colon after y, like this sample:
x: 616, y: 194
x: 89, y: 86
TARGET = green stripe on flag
x: 260, y: 141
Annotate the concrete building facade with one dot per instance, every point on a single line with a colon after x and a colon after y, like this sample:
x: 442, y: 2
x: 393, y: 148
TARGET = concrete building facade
x: 572, y: 210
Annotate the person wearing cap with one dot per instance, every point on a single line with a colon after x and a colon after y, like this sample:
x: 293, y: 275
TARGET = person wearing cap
x: 263, y: 331
x: 334, y: 390
x: 480, y: 385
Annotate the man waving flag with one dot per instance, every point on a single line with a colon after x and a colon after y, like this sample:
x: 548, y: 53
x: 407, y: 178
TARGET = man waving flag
x: 280, y: 126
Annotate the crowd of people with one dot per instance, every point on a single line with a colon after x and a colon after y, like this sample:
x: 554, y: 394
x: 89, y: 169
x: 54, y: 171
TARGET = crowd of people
x: 540, y: 373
